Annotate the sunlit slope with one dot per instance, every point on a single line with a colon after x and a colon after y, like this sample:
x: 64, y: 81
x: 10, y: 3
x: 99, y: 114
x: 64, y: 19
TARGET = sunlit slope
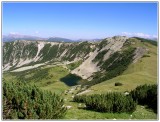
x: 47, y: 78
x: 141, y: 72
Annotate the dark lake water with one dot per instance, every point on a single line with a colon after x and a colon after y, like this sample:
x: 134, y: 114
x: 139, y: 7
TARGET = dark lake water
x: 71, y: 79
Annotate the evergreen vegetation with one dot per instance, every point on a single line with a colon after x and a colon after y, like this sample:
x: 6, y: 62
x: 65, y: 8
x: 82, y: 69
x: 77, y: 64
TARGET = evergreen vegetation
x: 74, y: 65
x: 79, y: 50
x: 118, y: 84
x: 29, y: 51
x: 21, y: 101
x: 100, y: 57
x: 147, y: 40
x: 7, y: 51
x: 114, y: 66
x: 36, y: 75
x: 80, y: 98
x: 20, y: 51
x: 102, y: 44
x: 111, y: 102
x: 146, y: 95
x: 49, y: 52
x: 118, y: 102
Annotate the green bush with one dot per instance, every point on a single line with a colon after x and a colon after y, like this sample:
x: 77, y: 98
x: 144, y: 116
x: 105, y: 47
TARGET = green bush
x: 110, y: 102
x: 21, y: 101
x: 146, y: 95
x: 80, y: 98
x: 118, y: 84
x: 146, y: 56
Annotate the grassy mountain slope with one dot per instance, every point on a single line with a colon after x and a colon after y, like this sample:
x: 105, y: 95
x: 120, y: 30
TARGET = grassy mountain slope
x: 141, y: 72
x: 45, y: 78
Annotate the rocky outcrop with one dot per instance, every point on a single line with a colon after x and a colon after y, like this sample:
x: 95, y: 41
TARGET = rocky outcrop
x: 88, y: 67
x: 20, y: 53
x: 139, y: 52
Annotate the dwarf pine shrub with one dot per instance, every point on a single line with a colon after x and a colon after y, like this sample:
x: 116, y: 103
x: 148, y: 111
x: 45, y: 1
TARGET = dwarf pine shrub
x: 21, y: 101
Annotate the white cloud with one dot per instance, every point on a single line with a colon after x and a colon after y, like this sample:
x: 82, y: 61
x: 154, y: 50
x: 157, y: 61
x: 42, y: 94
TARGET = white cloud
x: 36, y: 32
x: 13, y: 33
x: 126, y: 34
x: 138, y: 35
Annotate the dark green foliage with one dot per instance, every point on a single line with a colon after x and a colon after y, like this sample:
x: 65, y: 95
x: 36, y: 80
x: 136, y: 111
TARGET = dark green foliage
x: 114, y: 66
x: 118, y: 84
x: 146, y: 56
x: 35, y: 75
x: 146, y: 95
x: 21, y: 101
x: 74, y: 65
x: 119, y: 60
x: 110, y: 102
x: 44, y: 50
x: 52, y: 53
x: 30, y: 50
x: 7, y: 53
x: 48, y: 52
x: 61, y: 49
x: 17, y: 50
x: 127, y: 43
x: 100, y: 56
x: 147, y: 40
x: 102, y: 44
x: 78, y: 50
x: 80, y: 98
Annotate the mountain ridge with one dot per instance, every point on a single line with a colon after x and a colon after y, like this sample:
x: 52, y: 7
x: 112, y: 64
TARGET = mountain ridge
x: 93, y: 55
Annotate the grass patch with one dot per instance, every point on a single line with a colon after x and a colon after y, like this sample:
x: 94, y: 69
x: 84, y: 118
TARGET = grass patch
x: 45, y: 78
x: 82, y: 114
x: 147, y: 40
x: 74, y: 65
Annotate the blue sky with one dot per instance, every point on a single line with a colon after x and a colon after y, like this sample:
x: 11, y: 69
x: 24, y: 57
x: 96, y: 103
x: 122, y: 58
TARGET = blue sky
x: 80, y: 20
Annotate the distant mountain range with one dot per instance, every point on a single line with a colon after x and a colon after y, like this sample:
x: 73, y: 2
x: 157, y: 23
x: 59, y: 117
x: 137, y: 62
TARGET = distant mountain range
x: 58, y: 39
x: 14, y: 37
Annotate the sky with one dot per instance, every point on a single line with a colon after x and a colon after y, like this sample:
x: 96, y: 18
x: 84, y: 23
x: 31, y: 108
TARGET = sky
x: 80, y: 20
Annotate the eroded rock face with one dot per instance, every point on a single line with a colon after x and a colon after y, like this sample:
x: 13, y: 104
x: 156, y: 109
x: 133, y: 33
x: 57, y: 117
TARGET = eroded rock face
x: 19, y: 53
x: 114, y: 44
x: 88, y: 67
x: 139, y: 52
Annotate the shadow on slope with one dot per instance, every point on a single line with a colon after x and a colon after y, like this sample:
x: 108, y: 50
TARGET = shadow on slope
x: 71, y: 79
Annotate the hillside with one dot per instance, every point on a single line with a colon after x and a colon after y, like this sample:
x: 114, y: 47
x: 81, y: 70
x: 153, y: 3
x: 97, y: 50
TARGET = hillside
x: 78, y: 68
x: 138, y: 73
x: 93, y: 61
